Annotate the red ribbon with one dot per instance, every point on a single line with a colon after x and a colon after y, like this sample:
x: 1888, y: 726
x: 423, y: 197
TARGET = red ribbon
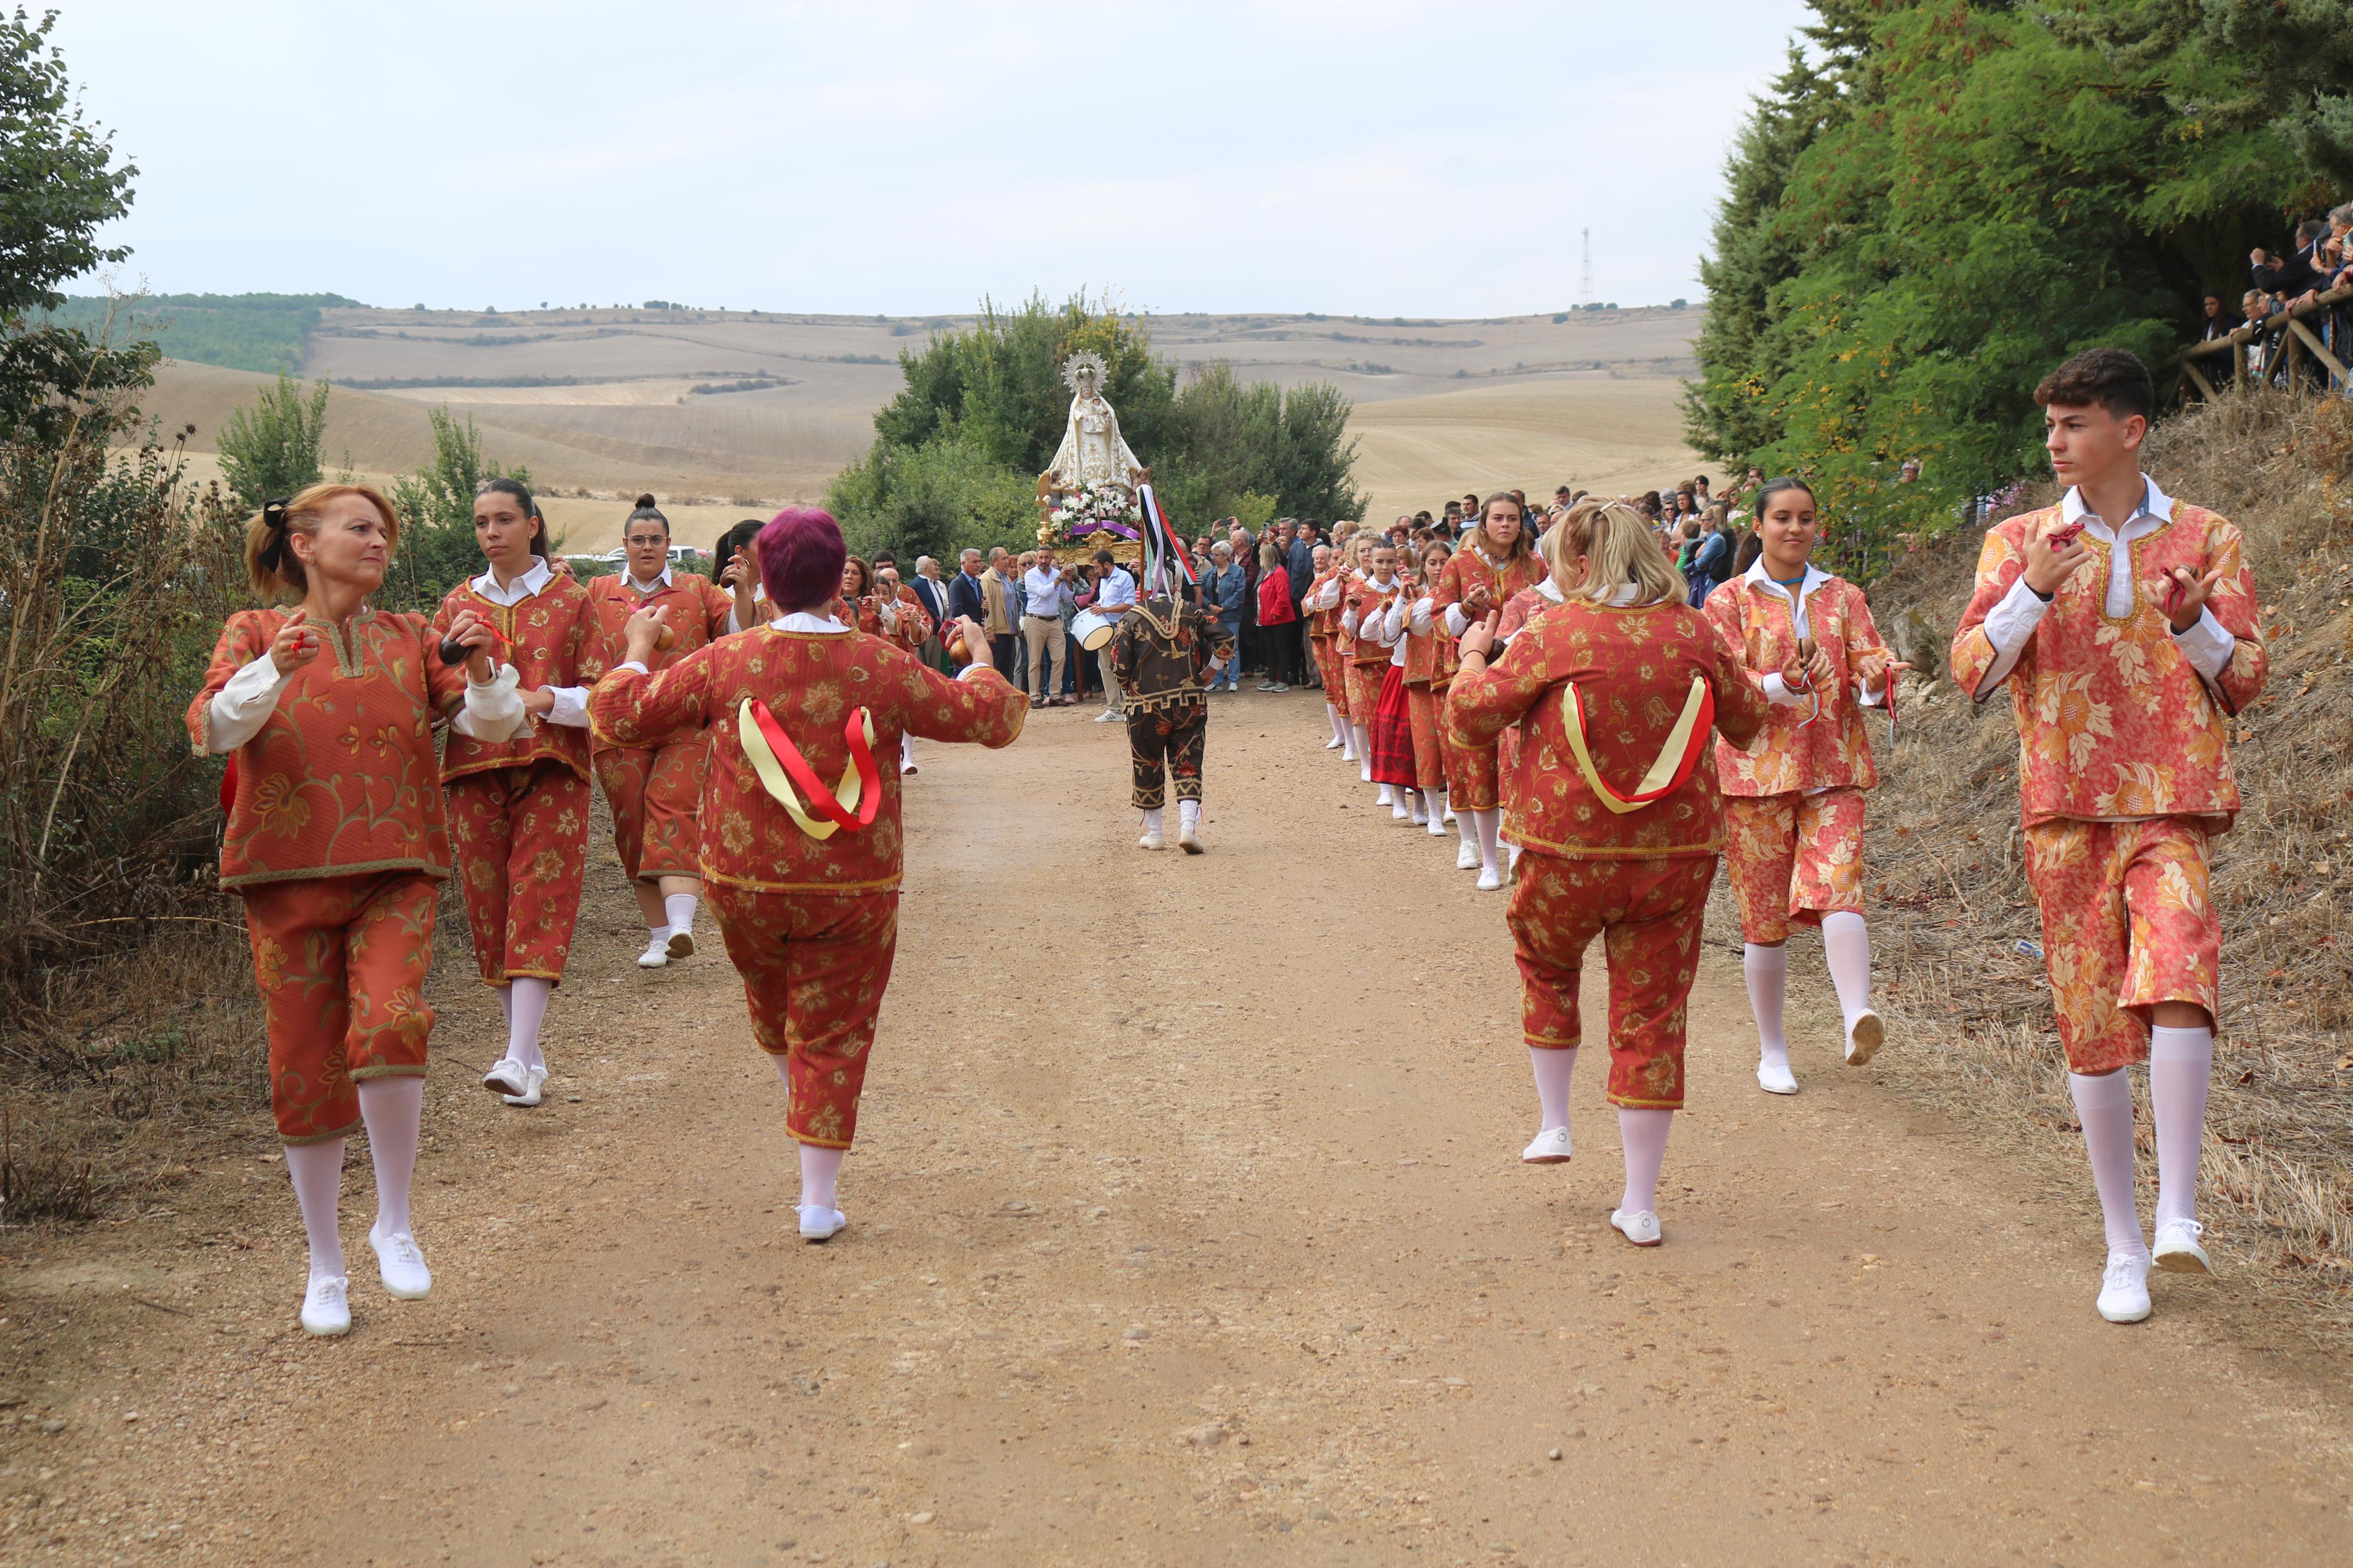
x: 861, y: 754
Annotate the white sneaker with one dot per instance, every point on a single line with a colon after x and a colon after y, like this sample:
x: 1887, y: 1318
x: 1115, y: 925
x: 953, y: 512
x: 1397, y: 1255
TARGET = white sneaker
x: 656, y: 952
x: 1367, y: 774
x: 1108, y: 716
x: 1348, y: 755
x: 1641, y: 1230
x: 2178, y: 1251
x: 1450, y: 817
x: 1863, y: 1038
x: 1490, y: 879
x: 1386, y: 796
x: 534, y: 1080
x: 1399, y: 811
x: 820, y: 1225
x: 399, y: 1260
x: 1151, y: 840
x: 1268, y: 685
x: 1466, y: 859
x: 327, y: 1306
x: 1775, y: 1077
x: 681, y: 943
x: 1551, y: 1147
x: 1333, y: 744
x: 2124, y: 1287
x: 1437, y: 828
x: 1188, y: 839
x: 507, y: 1076
x: 907, y: 768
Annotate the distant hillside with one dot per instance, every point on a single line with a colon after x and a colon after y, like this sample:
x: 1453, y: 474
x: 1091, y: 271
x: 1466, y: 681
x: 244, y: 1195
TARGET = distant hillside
x: 267, y: 332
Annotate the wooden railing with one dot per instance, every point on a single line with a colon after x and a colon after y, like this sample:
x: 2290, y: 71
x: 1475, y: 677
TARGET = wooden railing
x: 2291, y: 352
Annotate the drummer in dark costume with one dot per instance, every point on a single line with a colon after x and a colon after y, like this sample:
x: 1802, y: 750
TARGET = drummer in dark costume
x: 1161, y: 653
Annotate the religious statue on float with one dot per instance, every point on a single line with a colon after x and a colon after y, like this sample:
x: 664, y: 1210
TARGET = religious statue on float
x: 1090, y: 488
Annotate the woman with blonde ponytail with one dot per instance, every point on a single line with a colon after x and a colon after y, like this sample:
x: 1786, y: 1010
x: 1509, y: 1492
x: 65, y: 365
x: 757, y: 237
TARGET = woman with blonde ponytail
x: 1614, y: 691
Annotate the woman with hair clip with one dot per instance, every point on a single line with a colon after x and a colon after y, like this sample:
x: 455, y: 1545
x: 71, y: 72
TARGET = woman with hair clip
x: 653, y: 792
x: 519, y: 807
x: 1622, y: 840
x: 1794, y: 791
x: 738, y: 572
x: 804, y: 872
x: 1497, y: 560
x: 337, y: 843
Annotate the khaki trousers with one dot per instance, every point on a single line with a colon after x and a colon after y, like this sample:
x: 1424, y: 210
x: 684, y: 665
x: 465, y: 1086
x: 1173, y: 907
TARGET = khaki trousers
x: 1044, y: 636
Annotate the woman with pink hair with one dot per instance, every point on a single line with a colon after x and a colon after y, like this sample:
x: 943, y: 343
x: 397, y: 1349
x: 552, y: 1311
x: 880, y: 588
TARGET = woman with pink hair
x: 801, y: 837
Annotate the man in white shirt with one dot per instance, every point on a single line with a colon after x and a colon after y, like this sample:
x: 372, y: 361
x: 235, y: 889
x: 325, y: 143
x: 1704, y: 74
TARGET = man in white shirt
x: 1114, y: 596
x: 1043, y: 592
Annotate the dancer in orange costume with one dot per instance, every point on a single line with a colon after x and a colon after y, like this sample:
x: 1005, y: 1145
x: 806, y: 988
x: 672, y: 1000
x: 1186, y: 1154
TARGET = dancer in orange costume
x: 1613, y: 691
x: 1429, y: 663
x: 886, y: 609
x: 1496, y: 562
x: 337, y: 843
x: 653, y: 792
x: 1363, y: 619
x: 1320, y: 605
x: 2126, y: 625
x: 803, y: 872
x: 1794, y: 793
x: 519, y: 807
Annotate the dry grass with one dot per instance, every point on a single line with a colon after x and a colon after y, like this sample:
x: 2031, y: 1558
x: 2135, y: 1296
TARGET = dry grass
x: 1950, y: 899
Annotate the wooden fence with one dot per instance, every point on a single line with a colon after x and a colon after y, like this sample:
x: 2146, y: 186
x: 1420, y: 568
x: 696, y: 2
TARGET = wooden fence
x: 2284, y: 349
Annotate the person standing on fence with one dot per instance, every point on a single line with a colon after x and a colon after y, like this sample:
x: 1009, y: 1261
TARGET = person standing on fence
x: 1793, y: 793
x: 2127, y: 624
x: 338, y: 851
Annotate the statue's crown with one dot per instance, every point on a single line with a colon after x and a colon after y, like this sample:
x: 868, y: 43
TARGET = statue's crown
x: 1084, y: 360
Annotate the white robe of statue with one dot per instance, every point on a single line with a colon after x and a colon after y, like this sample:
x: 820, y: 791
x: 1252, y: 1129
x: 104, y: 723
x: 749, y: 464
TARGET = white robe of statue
x: 1093, y: 452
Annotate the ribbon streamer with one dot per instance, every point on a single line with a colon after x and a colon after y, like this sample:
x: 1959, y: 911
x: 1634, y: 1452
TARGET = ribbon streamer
x: 1672, y: 767
x: 780, y: 765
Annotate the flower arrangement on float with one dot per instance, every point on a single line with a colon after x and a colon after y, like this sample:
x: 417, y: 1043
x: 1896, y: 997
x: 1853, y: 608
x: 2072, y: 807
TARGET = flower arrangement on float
x: 1090, y: 510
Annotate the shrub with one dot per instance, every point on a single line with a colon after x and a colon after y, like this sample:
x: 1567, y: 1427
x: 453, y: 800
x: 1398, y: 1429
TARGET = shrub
x: 271, y: 447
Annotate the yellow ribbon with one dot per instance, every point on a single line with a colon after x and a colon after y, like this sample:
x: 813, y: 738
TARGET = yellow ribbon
x: 772, y: 774
x: 1661, y: 771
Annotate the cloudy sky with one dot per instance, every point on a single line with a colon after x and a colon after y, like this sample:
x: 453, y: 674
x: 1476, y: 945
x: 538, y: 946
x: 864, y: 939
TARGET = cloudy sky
x: 1350, y: 156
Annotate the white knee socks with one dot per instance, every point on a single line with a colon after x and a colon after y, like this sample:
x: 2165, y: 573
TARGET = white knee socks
x: 1553, y: 1069
x: 526, y: 998
x: 1364, y: 752
x: 1847, y: 944
x: 392, y: 1108
x: 2103, y: 1105
x: 1188, y: 814
x: 2180, y: 1063
x: 1767, y: 971
x: 1386, y: 798
x: 1339, y: 725
x: 1464, y: 826
x: 907, y: 746
x: 1644, y: 1136
x: 1487, y: 825
x: 679, y: 910
x: 317, y: 1172
x: 1433, y: 802
x: 1152, y: 819
x: 820, y: 1167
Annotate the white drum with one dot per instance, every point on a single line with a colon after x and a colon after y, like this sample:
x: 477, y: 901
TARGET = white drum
x: 1093, y: 629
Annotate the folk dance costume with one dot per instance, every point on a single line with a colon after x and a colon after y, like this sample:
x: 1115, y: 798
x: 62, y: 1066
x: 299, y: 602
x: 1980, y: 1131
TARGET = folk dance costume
x: 903, y: 621
x: 654, y: 792
x: 1429, y: 665
x: 802, y: 871
x: 2124, y: 778
x: 1517, y: 611
x: 1606, y: 696
x: 1793, y: 799
x: 336, y: 842
x: 1474, y: 785
x: 519, y: 810
x: 1377, y: 696
x: 1160, y: 653
x: 1322, y: 606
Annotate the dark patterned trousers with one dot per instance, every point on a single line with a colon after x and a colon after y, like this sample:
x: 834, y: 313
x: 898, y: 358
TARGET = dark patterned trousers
x: 1165, y: 742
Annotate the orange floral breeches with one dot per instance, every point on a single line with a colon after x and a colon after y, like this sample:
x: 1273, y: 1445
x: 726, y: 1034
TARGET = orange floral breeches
x: 1422, y: 709
x: 1336, y: 676
x: 1472, y: 777
x: 655, y: 794
x: 1793, y: 858
x: 520, y: 836
x: 1648, y: 915
x: 1364, y: 682
x: 814, y: 967
x: 341, y: 962
x: 2127, y: 922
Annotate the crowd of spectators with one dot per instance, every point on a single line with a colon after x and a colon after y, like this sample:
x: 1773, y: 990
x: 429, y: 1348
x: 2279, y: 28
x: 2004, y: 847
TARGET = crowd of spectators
x: 2321, y: 263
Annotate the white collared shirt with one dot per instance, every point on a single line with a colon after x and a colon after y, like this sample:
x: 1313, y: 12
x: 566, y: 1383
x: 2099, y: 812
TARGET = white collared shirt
x: 2011, y: 624
x: 1801, y: 619
x: 661, y: 580
x: 571, y: 707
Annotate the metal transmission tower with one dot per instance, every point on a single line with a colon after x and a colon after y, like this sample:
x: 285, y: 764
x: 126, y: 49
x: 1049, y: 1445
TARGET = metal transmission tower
x: 1585, y: 283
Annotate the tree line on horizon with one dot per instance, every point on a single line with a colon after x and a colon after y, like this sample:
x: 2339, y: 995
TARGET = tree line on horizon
x: 1938, y: 200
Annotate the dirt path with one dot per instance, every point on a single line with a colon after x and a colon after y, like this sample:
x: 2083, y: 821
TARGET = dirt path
x: 1187, y: 1226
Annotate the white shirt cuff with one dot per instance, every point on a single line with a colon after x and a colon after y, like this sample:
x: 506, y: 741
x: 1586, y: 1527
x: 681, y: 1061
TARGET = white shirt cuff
x: 2206, y: 645
x: 571, y: 708
x: 1777, y: 690
x: 974, y: 667
x: 1455, y: 624
x: 2009, y: 624
x: 240, y: 707
x: 1420, y: 622
x: 633, y: 664
x: 1348, y: 621
x: 492, y: 711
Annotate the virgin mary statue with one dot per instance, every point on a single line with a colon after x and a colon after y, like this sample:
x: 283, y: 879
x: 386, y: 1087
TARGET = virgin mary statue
x: 1092, y: 452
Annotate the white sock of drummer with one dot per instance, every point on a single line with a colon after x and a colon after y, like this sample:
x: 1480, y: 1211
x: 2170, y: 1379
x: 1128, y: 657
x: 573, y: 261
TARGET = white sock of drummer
x: 1487, y: 825
x: 1188, y: 814
x: 527, y: 1001
x: 679, y: 908
x: 1767, y: 972
x: 1552, y: 1069
x: 1152, y: 819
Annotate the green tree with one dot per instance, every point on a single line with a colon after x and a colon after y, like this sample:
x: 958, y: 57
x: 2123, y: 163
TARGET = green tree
x: 271, y: 447
x: 57, y: 185
x: 437, y: 514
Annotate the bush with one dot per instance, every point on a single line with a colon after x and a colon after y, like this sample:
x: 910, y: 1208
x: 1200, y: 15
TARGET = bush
x: 271, y: 447
x: 437, y: 515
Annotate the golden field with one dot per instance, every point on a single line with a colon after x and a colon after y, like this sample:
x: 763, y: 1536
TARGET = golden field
x: 600, y: 405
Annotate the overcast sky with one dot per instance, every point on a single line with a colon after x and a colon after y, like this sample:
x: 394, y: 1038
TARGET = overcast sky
x: 1351, y: 157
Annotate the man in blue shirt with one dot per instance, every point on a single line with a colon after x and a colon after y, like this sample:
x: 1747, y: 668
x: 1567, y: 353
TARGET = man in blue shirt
x: 1114, y: 596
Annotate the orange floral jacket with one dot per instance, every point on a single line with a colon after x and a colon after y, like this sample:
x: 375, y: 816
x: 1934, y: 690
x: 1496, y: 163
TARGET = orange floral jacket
x: 2113, y: 720
x: 1634, y: 668
x: 1790, y: 753
x: 914, y: 621
x: 552, y: 641
x: 342, y: 779
x: 812, y: 682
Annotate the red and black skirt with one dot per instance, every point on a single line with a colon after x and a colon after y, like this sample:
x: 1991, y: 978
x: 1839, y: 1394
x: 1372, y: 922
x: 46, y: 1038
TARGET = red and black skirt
x: 1391, y: 732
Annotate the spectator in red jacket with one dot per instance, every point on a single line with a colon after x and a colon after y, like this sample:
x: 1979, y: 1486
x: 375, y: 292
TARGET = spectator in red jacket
x: 1276, y: 610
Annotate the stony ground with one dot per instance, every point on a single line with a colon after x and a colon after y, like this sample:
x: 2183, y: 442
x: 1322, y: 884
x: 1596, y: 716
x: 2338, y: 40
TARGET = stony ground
x: 1187, y: 1226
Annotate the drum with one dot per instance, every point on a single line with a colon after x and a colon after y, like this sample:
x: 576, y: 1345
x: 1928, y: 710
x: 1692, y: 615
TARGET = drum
x: 1093, y: 629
